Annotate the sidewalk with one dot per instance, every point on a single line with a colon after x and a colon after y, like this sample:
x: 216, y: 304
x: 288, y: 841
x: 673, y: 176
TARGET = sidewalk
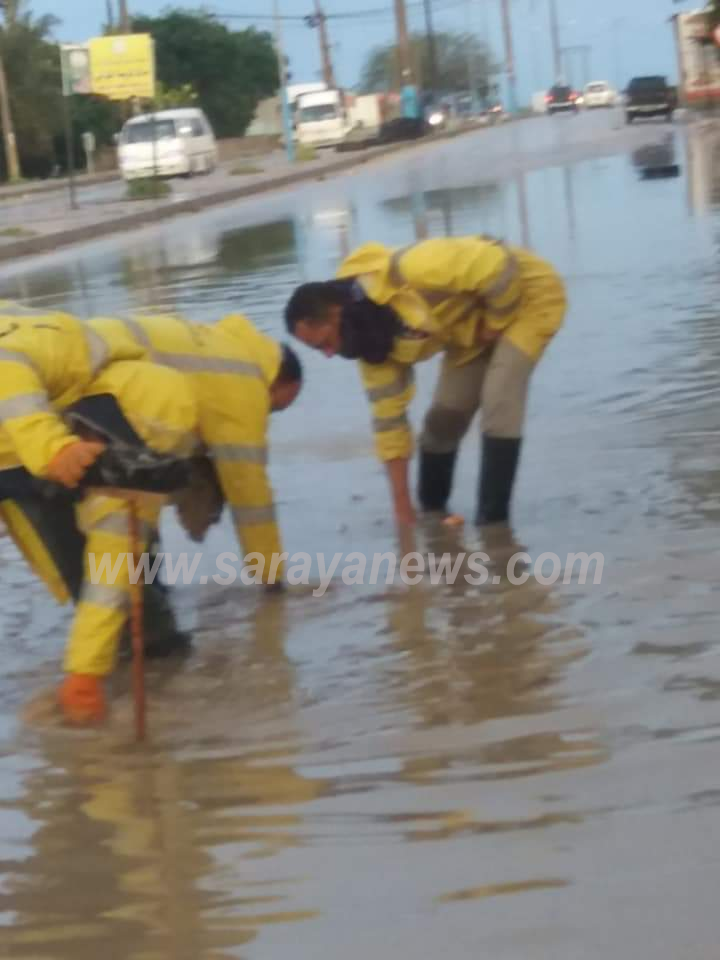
x: 55, y: 185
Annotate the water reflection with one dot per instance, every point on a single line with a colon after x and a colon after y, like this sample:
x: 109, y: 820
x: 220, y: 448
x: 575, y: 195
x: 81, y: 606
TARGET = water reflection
x: 473, y: 653
x: 314, y: 764
x: 433, y: 211
x: 703, y: 152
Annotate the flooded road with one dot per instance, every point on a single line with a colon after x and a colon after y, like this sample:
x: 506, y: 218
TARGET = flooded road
x: 506, y: 771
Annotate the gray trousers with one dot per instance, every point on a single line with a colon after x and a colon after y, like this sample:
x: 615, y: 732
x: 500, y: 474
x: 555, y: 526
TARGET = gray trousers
x: 497, y: 381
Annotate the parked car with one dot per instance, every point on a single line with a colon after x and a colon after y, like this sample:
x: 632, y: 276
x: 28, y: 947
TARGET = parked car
x: 561, y: 97
x: 599, y: 93
x: 169, y: 143
x: 649, y: 97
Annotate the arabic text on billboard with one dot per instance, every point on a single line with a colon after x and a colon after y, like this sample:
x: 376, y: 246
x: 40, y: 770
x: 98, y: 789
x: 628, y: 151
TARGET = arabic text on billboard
x: 123, y: 67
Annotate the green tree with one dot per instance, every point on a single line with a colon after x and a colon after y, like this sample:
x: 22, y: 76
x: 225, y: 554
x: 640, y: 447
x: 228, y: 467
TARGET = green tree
x: 463, y: 62
x: 98, y: 115
x: 32, y: 66
x: 169, y: 98
x: 230, y: 71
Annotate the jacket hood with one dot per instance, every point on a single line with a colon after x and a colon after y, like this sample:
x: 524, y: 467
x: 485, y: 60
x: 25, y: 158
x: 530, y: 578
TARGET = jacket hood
x: 260, y: 349
x: 370, y: 263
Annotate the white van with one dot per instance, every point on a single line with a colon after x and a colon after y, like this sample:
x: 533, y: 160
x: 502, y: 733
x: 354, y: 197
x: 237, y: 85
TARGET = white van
x: 321, y: 119
x: 184, y: 144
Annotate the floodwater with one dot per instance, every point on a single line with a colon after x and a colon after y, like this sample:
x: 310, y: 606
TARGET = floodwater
x: 510, y: 771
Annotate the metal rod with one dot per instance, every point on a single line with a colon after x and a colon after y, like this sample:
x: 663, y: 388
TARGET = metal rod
x: 136, y: 626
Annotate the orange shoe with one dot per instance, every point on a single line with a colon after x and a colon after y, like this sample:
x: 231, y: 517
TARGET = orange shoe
x: 82, y: 699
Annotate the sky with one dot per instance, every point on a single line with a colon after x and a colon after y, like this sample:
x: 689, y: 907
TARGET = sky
x: 626, y: 37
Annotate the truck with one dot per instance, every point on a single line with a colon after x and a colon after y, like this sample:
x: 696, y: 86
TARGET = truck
x: 321, y: 119
x: 649, y: 97
x: 324, y: 118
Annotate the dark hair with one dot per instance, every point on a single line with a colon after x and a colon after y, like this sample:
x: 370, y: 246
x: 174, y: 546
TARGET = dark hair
x: 290, y: 367
x: 310, y: 302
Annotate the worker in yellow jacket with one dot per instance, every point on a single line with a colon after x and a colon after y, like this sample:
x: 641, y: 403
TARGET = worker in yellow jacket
x: 49, y: 364
x: 202, y: 391
x: 490, y: 308
x: 238, y: 376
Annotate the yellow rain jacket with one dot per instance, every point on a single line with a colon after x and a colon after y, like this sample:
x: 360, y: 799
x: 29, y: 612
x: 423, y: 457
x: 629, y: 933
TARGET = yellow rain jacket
x: 447, y: 292
x: 48, y: 361
x: 231, y: 366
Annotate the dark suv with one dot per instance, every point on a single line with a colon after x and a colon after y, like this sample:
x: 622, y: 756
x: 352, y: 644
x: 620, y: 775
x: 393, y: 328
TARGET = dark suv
x: 649, y: 97
x: 561, y: 97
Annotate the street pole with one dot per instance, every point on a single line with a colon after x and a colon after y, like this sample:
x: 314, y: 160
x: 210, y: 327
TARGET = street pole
x: 327, y: 64
x: 471, y: 67
x: 124, y: 17
x: 509, y: 57
x: 555, y: 35
x: 286, y: 117
x: 403, y: 43
x: 617, y: 52
x: 11, y: 154
x: 432, y: 48
x: 70, y: 148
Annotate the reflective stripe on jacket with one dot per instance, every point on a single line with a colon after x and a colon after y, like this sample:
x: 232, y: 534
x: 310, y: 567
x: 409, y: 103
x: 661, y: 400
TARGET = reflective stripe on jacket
x: 232, y: 366
x: 449, y: 293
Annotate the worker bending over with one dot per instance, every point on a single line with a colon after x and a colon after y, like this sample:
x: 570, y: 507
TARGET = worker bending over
x: 491, y: 309
x: 55, y: 368
x: 238, y: 376
x: 50, y: 364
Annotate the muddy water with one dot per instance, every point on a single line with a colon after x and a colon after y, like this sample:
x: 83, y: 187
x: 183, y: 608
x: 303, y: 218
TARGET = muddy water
x: 509, y: 771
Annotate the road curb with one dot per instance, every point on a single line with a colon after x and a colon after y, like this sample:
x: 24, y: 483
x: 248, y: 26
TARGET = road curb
x: 35, y: 188
x: 52, y: 241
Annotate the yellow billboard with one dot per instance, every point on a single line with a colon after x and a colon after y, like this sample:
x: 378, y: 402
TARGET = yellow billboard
x: 123, y: 67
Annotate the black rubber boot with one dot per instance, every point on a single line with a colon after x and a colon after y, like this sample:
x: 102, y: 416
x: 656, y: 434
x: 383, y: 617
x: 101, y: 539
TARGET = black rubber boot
x: 435, y: 479
x: 500, y: 456
x: 163, y: 638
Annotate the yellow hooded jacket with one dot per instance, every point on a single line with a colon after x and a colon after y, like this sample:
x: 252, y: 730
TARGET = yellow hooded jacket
x: 231, y: 366
x: 448, y: 292
x: 48, y: 362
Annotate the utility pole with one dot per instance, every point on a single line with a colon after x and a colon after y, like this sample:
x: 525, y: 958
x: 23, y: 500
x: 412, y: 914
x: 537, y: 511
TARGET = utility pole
x: 282, y: 70
x: 471, y: 67
x: 509, y: 57
x: 432, y: 80
x: 584, y: 51
x: 110, y: 14
x: 320, y: 21
x: 11, y: 154
x: 124, y: 16
x: 555, y: 35
x: 403, y: 44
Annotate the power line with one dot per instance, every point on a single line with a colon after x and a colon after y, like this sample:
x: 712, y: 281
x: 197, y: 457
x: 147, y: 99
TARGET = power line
x: 297, y: 18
